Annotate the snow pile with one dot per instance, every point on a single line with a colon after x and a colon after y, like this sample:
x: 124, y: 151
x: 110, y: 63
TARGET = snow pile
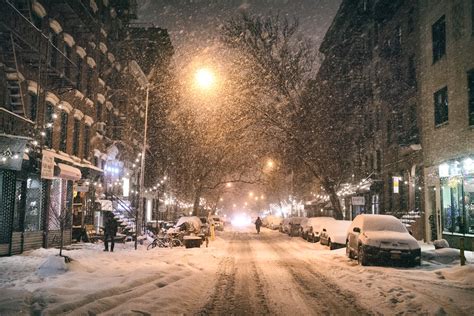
x: 53, y: 265
x: 441, y: 255
x: 441, y: 243
x: 462, y: 274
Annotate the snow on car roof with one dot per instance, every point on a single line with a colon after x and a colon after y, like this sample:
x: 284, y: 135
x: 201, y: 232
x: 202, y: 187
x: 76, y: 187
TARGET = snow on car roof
x: 370, y: 222
x: 336, y: 226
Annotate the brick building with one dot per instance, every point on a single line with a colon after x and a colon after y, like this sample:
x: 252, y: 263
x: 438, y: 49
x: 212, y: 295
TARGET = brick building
x: 68, y: 117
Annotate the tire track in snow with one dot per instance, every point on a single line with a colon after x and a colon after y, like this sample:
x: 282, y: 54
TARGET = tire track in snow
x: 324, y: 297
x: 238, y: 290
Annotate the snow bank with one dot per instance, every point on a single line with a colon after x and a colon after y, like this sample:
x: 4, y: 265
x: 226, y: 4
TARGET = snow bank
x: 53, y: 265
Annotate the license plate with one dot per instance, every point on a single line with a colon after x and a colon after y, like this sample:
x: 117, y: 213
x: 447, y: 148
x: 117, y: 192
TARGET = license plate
x: 395, y: 255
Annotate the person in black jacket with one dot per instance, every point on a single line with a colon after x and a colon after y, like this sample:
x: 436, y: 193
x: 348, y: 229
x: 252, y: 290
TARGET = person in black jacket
x: 258, y: 224
x: 110, y: 231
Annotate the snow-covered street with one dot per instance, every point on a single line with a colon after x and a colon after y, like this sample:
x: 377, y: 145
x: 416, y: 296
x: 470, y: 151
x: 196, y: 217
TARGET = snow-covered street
x: 240, y: 273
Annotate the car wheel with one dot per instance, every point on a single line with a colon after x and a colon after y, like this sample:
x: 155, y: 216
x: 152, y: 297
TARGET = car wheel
x: 331, y: 247
x: 361, y: 256
x: 348, y: 251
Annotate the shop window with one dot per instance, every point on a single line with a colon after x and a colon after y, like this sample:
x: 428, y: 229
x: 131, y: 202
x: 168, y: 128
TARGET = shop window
x: 469, y: 203
x: 75, y: 141
x: 19, y: 207
x: 441, y: 106
x: 33, y: 209
x: 470, y: 91
x: 87, y: 132
x: 63, y: 137
x: 49, y: 131
x: 58, y: 211
x: 452, y: 204
x: 438, y: 34
x: 33, y: 102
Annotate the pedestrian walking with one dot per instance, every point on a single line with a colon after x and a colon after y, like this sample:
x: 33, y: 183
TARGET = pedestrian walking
x: 110, y: 231
x: 258, y: 224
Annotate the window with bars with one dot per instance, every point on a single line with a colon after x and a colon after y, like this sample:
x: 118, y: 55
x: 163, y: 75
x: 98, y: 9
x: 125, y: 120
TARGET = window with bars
x: 75, y: 140
x: 441, y: 106
x: 63, y: 135
x: 438, y: 34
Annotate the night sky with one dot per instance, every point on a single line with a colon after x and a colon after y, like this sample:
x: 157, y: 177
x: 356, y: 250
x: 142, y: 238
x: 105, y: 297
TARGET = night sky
x: 194, y: 24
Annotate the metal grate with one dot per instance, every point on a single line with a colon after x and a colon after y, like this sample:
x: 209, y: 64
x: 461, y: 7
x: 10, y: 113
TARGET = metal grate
x: 7, y: 202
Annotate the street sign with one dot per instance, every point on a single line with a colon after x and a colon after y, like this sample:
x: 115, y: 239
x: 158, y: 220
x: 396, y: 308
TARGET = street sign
x: 358, y: 200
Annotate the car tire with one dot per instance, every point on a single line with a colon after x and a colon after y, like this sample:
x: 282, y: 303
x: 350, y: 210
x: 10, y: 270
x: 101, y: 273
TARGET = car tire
x: 331, y: 247
x: 349, y: 251
x: 361, y: 256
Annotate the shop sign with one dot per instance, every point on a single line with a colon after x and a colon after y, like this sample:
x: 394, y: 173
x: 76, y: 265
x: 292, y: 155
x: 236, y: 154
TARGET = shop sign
x: 358, y: 200
x: 47, y: 166
x: 11, y: 152
x: 396, y: 184
x: 81, y: 187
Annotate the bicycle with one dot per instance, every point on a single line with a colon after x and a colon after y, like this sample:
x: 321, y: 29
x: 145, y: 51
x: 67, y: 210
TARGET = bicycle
x: 166, y: 241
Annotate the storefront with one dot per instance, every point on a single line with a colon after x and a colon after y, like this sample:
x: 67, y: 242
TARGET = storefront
x: 456, y: 201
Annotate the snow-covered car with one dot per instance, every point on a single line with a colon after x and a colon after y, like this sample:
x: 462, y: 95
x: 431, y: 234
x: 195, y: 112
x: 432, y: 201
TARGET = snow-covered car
x: 312, y: 227
x: 218, y: 223
x: 272, y: 222
x: 334, y: 233
x: 285, y: 226
x: 190, y: 224
x: 294, y: 226
x: 383, y: 238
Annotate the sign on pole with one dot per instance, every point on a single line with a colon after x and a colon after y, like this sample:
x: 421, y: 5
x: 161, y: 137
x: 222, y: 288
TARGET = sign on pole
x: 358, y: 200
x: 47, y: 166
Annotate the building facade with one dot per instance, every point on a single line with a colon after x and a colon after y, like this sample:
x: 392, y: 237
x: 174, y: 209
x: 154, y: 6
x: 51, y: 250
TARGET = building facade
x: 446, y: 81
x: 371, y: 60
x: 69, y: 129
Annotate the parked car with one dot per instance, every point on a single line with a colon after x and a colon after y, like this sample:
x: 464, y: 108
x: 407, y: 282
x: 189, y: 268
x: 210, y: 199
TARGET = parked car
x: 333, y: 233
x: 272, y: 221
x: 218, y: 223
x: 384, y: 238
x: 295, y: 226
x: 312, y: 228
x: 285, y: 226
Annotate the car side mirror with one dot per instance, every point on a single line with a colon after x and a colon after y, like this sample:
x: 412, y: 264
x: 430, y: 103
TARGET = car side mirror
x: 324, y: 229
x: 356, y: 230
x: 410, y: 232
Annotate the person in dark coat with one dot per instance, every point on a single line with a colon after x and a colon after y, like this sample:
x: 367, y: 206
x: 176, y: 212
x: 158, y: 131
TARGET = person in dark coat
x: 258, y: 224
x: 110, y: 231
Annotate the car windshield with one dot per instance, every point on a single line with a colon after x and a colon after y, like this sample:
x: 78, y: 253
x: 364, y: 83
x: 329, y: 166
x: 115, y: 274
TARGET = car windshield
x: 381, y: 223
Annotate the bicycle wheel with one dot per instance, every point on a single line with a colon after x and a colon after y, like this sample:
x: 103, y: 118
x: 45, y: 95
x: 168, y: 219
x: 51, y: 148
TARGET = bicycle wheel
x: 151, y: 246
x: 177, y: 243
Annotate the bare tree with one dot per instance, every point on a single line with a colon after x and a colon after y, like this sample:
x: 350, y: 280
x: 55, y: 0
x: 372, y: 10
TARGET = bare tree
x: 273, y: 68
x: 59, y: 220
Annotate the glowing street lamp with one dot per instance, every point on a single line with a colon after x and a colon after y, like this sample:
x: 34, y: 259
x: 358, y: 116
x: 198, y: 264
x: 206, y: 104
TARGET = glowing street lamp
x: 205, y: 78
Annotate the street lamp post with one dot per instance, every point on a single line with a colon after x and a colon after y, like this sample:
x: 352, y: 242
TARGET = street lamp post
x: 143, y: 81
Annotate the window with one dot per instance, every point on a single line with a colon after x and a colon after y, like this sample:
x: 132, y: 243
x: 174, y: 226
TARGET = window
x: 37, y: 20
x: 49, y: 131
x: 75, y: 140
x: 441, y: 106
x: 98, y: 113
x: 470, y: 91
x: 87, y: 135
x: 90, y: 83
x: 79, y: 74
x: 438, y: 33
x: 412, y: 71
x: 54, y: 50
x: 33, y: 100
x: 67, y: 61
x: 63, y: 138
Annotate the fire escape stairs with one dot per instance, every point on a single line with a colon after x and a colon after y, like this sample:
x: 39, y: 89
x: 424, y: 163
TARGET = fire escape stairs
x: 124, y: 214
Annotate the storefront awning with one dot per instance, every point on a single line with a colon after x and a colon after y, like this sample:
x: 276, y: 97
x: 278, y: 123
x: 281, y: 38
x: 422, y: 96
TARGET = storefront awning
x: 68, y: 172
